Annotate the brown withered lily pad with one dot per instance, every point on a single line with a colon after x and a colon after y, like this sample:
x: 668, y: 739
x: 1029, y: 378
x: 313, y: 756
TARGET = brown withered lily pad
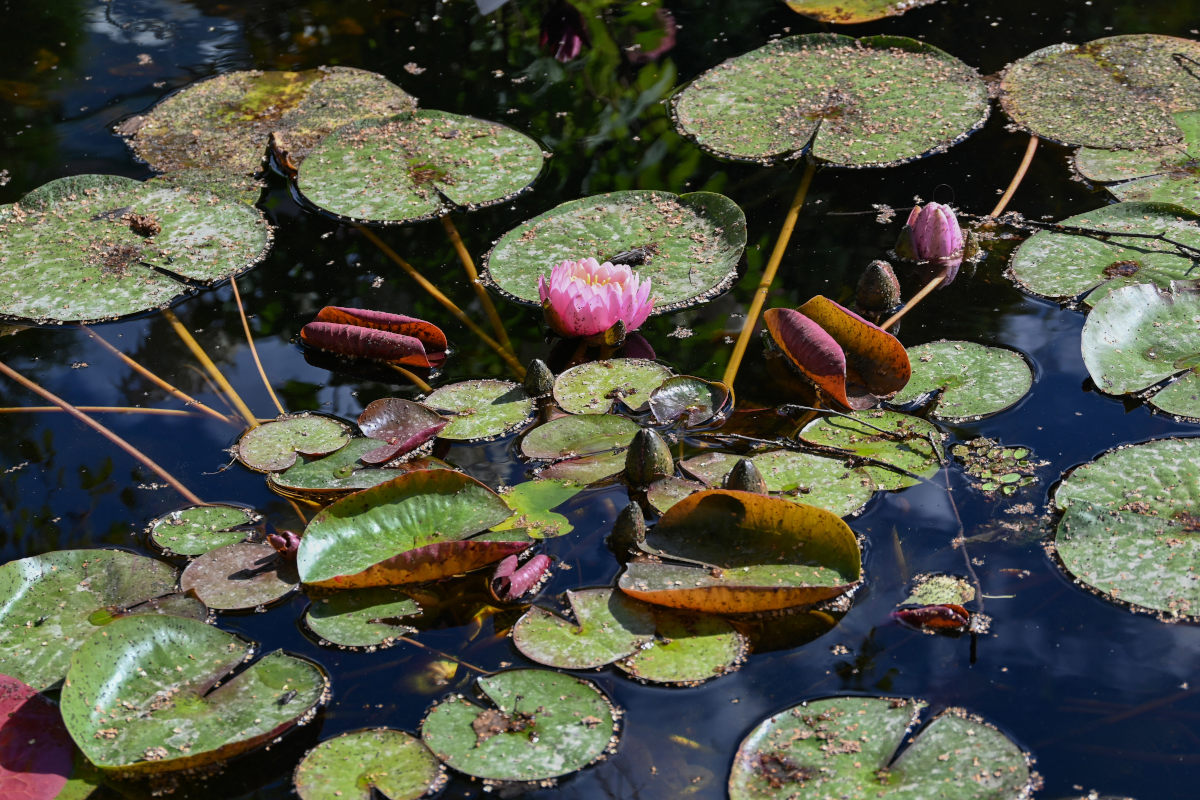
x: 378, y: 336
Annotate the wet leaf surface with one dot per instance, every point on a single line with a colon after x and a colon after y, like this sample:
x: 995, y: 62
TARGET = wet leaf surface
x: 362, y: 617
x: 481, y: 409
x: 239, y: 577
x: 272, y: 446
x: 607, y: 626
x: 910, y: 444
x: 195, y: 530
x: 364, y: 764
x: 997, y: 468
x: 972, y: 380
x: 342, y: 472
x: 849, y: 12
x: 687, y: 649
x: 1164, y: 174
x: 801, y: 477
x: 533, y: 502
x: 579, y: 435
x: 692, y: 401
x: 595, y: 387
x: 401, y: 425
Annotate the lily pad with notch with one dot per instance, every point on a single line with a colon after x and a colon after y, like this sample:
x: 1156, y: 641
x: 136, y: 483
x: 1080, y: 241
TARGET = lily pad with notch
x: 688, y: 648
x: 481, y: 409
x: 1163, y: 174
x: 240, y: 577
x: 369, y: 763
x: 794, y: 475
x: 369, y: 618
x: 607, y: 625
x: 910, y: 445
x: 533, y: 504
x: 970, y: 380
x: 195, y: 530
x: 343, y: 472
x: 273, y: 446
x: 594, y: 387
x: 688, y: 245
x: 585, y: 448
x: 690, y: 401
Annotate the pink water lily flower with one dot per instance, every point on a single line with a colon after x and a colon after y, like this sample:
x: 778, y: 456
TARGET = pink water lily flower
x: 586, y: 298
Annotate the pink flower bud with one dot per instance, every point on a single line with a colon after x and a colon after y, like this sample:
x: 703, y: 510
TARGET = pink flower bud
x: 586, y: 298
x: 285, y: 543
x: 934, y: 235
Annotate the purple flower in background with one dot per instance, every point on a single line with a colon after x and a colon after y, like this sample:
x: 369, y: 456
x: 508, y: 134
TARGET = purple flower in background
x: 564, y: 33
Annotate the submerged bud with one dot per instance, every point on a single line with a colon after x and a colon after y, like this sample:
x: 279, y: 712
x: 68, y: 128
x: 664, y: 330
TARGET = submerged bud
x: 628, y: 533
x: 745, y: 477
x: 648, y: 458
x: 539, y: 380
x: 878, y: 291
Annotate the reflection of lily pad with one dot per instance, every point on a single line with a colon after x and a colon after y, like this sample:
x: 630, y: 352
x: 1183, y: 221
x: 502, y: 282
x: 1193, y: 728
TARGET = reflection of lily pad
x: 361, y: 765
x: 802, y: 477
x: 687, y: 245
x: 910, y: 444
x: 362, y: 617
x: 93, y: 247
x: 848, y: 12
x: 1164, y: 174
x: 545, y: 724
x: 688, y: 648
x: 195, y: 530
x: 594, y: 386
x: 416, y: 166
x: 1137, y: 336
x: 846, y: 747
x: 608, y: 625
x: 272, y: 447
x: 239, y: 577
x: 874, y: 101
x: 482, y: 409
x: 1117, y: 92
x: 972, y: 380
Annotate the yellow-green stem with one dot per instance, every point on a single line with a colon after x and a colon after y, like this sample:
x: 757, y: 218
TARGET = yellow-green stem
x: 211, y: 368
x: 262, y: 373
x: 916, y: 298
x: 166, y: 412
x: 411, y: 378
x: 473, y: 277
x: 1017, y: 177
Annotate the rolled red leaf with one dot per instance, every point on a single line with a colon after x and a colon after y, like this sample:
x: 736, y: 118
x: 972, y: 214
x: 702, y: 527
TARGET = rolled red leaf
x: 512, y: 580
x: 941, y: 617
x: 377, y: 335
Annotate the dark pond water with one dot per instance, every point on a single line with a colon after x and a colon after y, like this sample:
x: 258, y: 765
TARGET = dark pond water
x: 1104, y: 698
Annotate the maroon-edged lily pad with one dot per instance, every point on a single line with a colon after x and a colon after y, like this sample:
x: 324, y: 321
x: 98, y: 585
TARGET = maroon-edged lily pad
x: 36, y: 752
x: 378, y: 336
x: 239, y: 577
x: 400, y: 424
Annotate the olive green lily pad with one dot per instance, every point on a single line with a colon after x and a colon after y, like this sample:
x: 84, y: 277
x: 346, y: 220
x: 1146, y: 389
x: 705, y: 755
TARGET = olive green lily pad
x: 532, y: 503
x: 666, y: 492
x: 608, y: 625
x: 585, y: 470
x: 929, y: 590
x: 850, y: 12
x: 51, y: 603
x: 870, y: 102
x: 416, y: 166
x: 224, y: 123
x: 341, y: 472
x: 141, y: 698
x: 272, y: 446
x: 595, y: 386
x: 94, y: 247
x: 692, y: 401
x: 413, y: 528
x: 1164, y: 174
x: 846, y: 747
x: 1159, y: 478
x: 482, y: 409
x: 195, y: 530
x: 972, y: 380
x: 585, y: 448
x: 239, y: 577
x: 362, y: 617
x: 687, y: 649
x: 1137, y: 335
x: 1117, y: 93
x: 364, y: 764
x: 802, y: 477
x: 910, y: 444
x: 545, y: 724
x: 1066, y: 265
x: 689, y: 245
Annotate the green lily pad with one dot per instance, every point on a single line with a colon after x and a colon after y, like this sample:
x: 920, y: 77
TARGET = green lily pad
x: 224, y: 123
x: 272, y: 446
x: 1159, y: 478
x: 1117, y: 93
x: 582, y: 435
x: 417, y: 165
x: 687, y: 649
x: 908, y: 443
x: 996, y: 467
x: 239, y: 577
x: 94, y: 247
x: 595, y: 386
x: 1165, y: 174
x: 801, y: 477
x: 608, y: 625
x: 364, y: 764
x: 666, y: 492
x: 482, y: 409
x: 846, y: 747
x: 195, y: 530
x: 1066, y: 265
x: 870, y: 102
x: 585, y: 470
x: 545, y: 724
x: 1137, y: 335
x: 693, y: 401
x: 362, y: 617
x: 51, y: 603
x: 929, y: 590
x: 972, y: 380
x: 141, y: 697
x: 413, y: 528
x: 851, y: 12
x: 691, y: 244
x: 341, y: 472
x: 532, y: 501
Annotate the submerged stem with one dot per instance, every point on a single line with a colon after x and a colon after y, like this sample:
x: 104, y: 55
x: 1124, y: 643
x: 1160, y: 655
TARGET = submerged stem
x: 485, y: 299
x: 445, y: 655
x: 254, y: 350
x: 201, y: 356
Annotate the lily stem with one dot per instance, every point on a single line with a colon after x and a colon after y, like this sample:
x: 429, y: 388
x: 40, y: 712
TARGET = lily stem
x: 166, y: 412
x: 254, y: 350
x: 445, y: 655
x: 411, y: 378
x: 768, y: 277
x: 215, y: 373
x: 446, y: 302
x: 1017, y: 177
x: 49, y: 396
x: 916, y: 298
x: 485, y: 299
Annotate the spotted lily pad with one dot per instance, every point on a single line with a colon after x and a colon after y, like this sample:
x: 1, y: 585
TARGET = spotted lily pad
x: 595, y: 386
x: 482, y: 409
x: 364, y: 764
x: 849, y: 12
x: 1164, y: 174
x: 909, y: 444
x: 971, y: 380
x: 544, y: 724
x: 584, y: 448
x: 691, y: 401
x: 666, y: 492
x: 847, y: 747
x: 688, y: 245
x: 239, y: 577
x: 94, y: 247
x: 939, y: 589
x: 1066, y: 265
x: 362, y: 617
x: 399, y: 425
x: 36, y: 752
x: 141, y: 698
x: 533, y: 502
x: 869, y: 102
x: 608, y: 625
x: 342, y: 472
x: 195, y: 530
x: 687, y: 649
x: 50, y: 603
x: 1137, y: 336
x: 802, y: 477
x: 417, y: 165
x: 1117, y: 93
x: 272, y: 447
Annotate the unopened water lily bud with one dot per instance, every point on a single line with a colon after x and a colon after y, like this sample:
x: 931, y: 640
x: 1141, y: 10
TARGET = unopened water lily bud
x: 878, y: 291
x: 932, y: 235
x: 539, y: 380
x: 745, y: 477
x: 648, y: 458
x: 628, y: 532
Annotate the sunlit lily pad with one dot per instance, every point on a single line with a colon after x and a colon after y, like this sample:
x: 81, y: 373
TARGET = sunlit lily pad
x: 595, y: 386
x: 1137, y: 335
x: 94, y: 247
x: 802, y: 477
x: 847, y: 747
x: 239, y: 577
x: 195, y: 530
x: 910, y: 444
x: 482, y: 409
x: 342, y: 472
x: 849, y: 12
x: 1065, y: 265
x: 544, y: 724
x: 533, y: 502
x: 744, y: 552
x: 585, y: 448
x: 50, y: 603
x: 1159, y: 477
x: 585, y: 470
x: 875, y: 101
x: 365, y: 764
x: 1164, y: 174
x: 689, y: 244
x: 692, y: 401
x: 416, y: 166
x: 687, y: 649
x: 362, y: 617
x: 36, y: 752
x: 141, y: 699
x: 972, y: 380
x: 935, y: 589
x: 608, y: 625
x: 1116, y: 92
x: 272, y: 446
x: 997, y: 468
x: 416, y: 527
x: 399, y: 426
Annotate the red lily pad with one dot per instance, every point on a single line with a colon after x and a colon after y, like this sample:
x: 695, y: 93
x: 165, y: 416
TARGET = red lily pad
x: 378, y: 336
x: 400, y: 424
x: 36, y: 752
